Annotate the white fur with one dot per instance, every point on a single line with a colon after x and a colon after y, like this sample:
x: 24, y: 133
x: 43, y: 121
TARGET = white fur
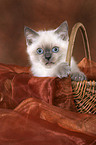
x: 46, y: 38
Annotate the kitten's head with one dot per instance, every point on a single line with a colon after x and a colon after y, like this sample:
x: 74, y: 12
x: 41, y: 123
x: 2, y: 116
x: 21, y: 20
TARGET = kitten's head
x: 47, y: 48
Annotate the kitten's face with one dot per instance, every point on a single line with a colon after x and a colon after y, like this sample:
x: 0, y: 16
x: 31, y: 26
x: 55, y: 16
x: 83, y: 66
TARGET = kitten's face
x: 47, y: 48
x: 46, y: 55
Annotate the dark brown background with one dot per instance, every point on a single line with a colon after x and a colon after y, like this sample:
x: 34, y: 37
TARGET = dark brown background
x: 42, y: 14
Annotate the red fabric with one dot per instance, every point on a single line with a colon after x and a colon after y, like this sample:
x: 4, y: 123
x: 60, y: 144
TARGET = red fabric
x: 19, y: 85
x: 89, y: 68
x: 40, y: 111
x: 16, y: 129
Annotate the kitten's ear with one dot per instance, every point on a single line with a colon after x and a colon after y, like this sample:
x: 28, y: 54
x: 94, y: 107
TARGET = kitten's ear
x: 62, y: 30
x: 30, y: 35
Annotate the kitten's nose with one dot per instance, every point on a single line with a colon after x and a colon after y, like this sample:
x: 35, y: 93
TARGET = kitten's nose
x: 47, y: 56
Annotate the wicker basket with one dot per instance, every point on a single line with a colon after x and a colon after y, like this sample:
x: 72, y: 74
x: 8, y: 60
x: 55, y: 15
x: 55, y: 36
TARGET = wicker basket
x: 84, y: 92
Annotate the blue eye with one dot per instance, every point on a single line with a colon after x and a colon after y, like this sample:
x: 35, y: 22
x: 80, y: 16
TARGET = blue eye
x: 40, y: 51
x: 55, y: 49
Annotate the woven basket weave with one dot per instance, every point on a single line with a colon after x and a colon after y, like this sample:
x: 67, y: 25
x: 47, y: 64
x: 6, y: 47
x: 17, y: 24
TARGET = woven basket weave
x: 84, y: 92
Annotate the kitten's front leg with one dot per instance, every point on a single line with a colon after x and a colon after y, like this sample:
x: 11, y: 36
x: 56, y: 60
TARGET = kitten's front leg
x: 63, y: 70
x: 76, y: 74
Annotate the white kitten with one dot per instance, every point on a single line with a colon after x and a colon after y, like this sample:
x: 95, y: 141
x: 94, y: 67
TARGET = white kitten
x: 47, y: 53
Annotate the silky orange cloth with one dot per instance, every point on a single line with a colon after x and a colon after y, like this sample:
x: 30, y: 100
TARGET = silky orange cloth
x: 19, y: 84
x: 41, y: 111
x: 89, y: 68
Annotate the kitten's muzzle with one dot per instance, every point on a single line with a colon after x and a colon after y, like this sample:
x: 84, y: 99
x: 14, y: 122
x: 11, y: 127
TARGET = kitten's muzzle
x: 48, y: 56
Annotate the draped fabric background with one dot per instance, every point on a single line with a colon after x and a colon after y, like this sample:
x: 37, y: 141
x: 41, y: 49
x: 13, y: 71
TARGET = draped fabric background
x: 41, y: 14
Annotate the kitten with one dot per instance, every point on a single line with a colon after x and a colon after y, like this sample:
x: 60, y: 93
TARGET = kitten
x: 47, y: 53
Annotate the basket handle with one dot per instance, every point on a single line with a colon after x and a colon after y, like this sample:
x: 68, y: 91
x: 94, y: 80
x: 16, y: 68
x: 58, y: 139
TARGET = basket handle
x: 72, y: 41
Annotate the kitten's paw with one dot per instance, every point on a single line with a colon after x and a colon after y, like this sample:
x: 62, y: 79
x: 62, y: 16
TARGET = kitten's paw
x: 78, y: 76
x: 63, y: 70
